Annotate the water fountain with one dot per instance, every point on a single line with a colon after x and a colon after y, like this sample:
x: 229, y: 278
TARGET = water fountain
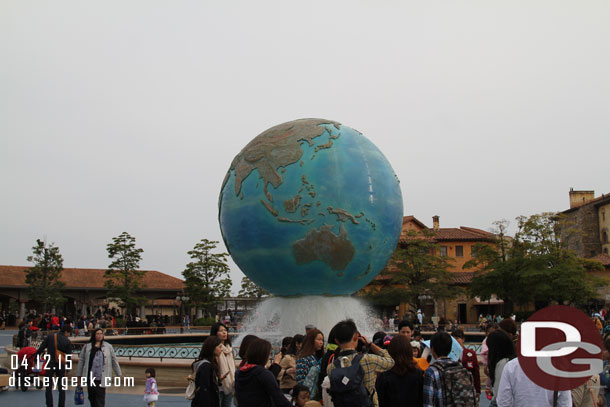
x: 311, y: 211
x: 278, y: 317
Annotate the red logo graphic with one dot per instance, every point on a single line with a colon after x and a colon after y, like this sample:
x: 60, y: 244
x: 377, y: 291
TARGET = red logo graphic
x: 559, y: 348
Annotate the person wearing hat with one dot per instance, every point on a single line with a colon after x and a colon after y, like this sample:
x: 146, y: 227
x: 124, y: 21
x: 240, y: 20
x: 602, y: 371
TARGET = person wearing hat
x: 308, y: 328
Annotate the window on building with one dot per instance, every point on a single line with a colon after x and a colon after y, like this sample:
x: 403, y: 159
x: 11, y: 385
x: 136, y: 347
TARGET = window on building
x: 444, y: 251
x: 605, y: 250
x: 459, y: 251
x: 605, y: 236
x: 473, y: 251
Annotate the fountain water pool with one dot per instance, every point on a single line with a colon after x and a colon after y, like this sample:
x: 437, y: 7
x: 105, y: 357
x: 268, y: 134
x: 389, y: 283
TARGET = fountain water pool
x: 277, y: 317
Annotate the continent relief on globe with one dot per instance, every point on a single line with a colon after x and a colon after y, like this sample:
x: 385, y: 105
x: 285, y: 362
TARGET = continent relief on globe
x: 269, y: 154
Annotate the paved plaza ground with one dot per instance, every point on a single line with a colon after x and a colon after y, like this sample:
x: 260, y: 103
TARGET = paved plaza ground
x: 132, y: 397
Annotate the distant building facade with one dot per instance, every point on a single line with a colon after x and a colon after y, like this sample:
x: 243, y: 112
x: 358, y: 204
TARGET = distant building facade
x: 85, y: 291
x: 587, y: 228
x: 458, y: 245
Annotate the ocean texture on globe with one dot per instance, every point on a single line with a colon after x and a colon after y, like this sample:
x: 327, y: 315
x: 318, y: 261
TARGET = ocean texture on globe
x: 310, y: 207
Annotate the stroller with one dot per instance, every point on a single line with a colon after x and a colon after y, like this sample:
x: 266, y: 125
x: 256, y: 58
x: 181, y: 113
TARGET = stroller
x: 28, y: 367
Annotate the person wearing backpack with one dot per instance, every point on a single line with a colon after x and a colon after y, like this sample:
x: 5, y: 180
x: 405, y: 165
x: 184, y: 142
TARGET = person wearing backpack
x: 447, y: 382
x: 469, y: 359
x: 352, y: 375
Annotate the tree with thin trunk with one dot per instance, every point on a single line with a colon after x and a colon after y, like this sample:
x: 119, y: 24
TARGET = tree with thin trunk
x: 123, y: 278
x: 206, y: 277
x: 43, y: 278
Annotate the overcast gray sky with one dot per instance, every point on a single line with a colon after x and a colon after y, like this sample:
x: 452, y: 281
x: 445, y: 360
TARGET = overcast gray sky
x: 125, y: 115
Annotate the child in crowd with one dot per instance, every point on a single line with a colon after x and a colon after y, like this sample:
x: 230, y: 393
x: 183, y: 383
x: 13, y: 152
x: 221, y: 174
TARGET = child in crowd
x: 300, y: 395
x: 151, y: 395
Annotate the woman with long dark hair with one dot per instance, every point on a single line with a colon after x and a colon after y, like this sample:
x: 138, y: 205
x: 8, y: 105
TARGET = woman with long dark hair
x: 308, y: 361
x: 243, y: 348
x: 402, y: 385
x: 206, y: 374
x: 501, y: 350
x: 226, y: 365
x: 256, y: 386
x: 288, y: 364
x: 97, y: 361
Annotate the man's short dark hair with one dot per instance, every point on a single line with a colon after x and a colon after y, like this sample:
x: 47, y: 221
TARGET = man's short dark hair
x: 441, y: 343
x: 344, y: 331
x: 405, y: 322
x: 67, y: 328
x: 458, y: 333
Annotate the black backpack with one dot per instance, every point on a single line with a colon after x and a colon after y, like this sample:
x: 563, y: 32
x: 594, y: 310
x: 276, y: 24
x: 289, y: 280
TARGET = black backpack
x: 347, y: 384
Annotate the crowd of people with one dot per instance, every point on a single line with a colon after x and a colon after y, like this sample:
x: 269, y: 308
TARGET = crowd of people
x: 97, y: 362
x: 83, y: 326
x: 343, y: 368
x: 347, y: 369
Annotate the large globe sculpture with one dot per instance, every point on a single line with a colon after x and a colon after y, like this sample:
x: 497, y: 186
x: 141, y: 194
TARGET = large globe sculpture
x: 310, y: 207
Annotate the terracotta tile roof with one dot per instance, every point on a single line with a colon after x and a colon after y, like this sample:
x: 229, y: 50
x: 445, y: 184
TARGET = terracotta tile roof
x: 14, y: 276
x: 459, y: 277
x: 413, y: 219
x: 462, y: 277
x: 463, y: 233
x: 602, y: 258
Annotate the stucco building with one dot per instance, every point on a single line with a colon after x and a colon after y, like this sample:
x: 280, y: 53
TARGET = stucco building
x: 458, y: 245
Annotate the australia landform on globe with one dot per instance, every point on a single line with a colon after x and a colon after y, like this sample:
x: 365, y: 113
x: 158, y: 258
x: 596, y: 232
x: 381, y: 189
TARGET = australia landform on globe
x: 310, y: 207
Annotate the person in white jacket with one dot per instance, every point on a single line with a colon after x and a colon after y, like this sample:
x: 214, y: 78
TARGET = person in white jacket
x: 97, y: 361
x: 226, y: 365
x: 516, y: 389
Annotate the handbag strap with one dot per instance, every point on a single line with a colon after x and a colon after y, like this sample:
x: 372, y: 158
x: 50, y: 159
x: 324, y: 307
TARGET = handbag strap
x: 56, y: 354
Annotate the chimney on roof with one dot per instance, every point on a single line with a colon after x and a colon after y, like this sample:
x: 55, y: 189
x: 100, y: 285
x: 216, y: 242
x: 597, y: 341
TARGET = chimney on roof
x: 580, y: 198
x: 435, y: 223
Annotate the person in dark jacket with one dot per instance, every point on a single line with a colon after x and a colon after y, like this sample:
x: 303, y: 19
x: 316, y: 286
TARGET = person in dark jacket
x: 401, y: 386
x: 256, y: 386
x: 23, y: 337
x: 206, y: 378
x: 55, y: 367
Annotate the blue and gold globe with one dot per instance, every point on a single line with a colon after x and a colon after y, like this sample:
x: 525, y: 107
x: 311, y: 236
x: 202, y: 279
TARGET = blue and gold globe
x: 310, y: 207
